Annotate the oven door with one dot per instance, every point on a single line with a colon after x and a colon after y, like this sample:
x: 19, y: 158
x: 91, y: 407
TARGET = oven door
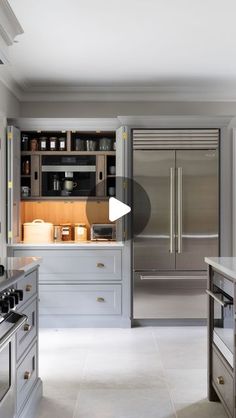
x: 8, y: 328
x: 223, y: 317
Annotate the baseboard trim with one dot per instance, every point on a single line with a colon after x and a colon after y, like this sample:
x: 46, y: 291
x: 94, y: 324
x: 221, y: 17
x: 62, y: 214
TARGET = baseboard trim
x: 169, y: 322
x: 73, y: 321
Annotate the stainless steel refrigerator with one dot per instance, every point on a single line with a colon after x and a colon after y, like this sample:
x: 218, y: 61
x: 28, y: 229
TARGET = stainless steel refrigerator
x: 178, y: 169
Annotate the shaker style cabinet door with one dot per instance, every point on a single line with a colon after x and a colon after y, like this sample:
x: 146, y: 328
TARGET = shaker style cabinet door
x: 13, y: 184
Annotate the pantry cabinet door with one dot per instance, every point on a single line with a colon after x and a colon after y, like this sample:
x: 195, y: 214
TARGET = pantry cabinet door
x: 13, y: 184
x: 122, y: 176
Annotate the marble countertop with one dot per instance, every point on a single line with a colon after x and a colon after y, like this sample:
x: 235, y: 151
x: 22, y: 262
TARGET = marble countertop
x: 20, y: 263
x: 226, y: 265
x: 72, y: 245
x: 15, y: 268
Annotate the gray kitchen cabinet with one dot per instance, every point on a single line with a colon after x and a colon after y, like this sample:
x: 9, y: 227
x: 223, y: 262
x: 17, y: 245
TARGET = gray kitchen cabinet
x: 28, y: 383
x: 76, y: 265
x: 79, y: 286
x: 80, y: 299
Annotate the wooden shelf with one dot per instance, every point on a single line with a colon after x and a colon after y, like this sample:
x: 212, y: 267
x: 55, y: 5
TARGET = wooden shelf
x: 25, y: 175
x: 61, y: 198
x: 113, y: 153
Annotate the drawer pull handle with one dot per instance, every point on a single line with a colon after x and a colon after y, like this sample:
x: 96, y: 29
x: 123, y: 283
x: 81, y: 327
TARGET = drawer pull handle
x: 28, y: 287
x: 100, y: 265
x: 27, y: 327
x: 99, y: 299
x: 27, y: 376
x: 220, y: 380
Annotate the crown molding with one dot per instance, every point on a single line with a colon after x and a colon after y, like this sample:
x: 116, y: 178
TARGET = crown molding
x: 126, y: 94
x: 9, y: 29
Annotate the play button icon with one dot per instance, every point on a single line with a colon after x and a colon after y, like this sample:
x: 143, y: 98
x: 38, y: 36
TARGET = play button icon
x: 117, y: 209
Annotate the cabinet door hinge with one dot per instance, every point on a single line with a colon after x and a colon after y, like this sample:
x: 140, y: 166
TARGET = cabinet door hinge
x: 10, y: 136
x: 10, y: 184
x: 9, y: 234
x: 124, y: 135
x: 125, y: 184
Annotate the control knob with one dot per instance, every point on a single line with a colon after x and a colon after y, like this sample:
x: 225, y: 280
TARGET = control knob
x: 4, y: 306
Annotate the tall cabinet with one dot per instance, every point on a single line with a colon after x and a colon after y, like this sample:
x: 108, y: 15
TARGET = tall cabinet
x: 97, y: 275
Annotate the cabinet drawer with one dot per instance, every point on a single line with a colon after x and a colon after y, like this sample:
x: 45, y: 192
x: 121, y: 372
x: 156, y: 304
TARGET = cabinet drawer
x: 80, y: 299
x: 223, y: 382
x: 29, y: 284
x: 27, y: 332
x: 61, y: 265
x: 26, y: 376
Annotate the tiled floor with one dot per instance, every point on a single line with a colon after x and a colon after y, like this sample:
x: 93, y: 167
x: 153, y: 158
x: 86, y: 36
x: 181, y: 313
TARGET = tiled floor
x: 125, y: 373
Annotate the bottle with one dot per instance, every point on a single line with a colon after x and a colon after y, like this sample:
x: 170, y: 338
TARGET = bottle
x: 26, y: 167
x: 56, y: 183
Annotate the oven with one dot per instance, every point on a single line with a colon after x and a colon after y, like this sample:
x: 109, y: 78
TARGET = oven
x: 9, y: 324
x: 222, y: 297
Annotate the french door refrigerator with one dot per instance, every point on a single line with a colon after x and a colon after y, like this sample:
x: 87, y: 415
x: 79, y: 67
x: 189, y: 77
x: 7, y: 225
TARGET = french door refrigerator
x: 178, y: 169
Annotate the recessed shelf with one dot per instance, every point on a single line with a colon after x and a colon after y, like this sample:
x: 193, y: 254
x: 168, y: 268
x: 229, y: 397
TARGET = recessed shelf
x: 68, y: 153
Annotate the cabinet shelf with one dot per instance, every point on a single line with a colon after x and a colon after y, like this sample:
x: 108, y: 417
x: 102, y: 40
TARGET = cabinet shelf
x: 111, y: 175
x: 25, y: 175
x: 61, y: 198
x: 68, y: 153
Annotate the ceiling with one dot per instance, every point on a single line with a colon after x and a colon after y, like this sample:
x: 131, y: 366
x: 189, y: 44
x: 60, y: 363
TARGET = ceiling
x: 169, y: 49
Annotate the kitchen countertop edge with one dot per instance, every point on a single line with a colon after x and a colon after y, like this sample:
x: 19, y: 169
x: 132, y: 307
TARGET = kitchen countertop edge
x: 82, y: 245
x: 226, y: 265
x: 23, y: 264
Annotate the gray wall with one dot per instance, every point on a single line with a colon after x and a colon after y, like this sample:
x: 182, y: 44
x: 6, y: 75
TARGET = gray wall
x: 9, y: 107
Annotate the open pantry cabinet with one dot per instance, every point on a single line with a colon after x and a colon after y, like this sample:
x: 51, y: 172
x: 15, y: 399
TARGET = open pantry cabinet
x: 52, y: 174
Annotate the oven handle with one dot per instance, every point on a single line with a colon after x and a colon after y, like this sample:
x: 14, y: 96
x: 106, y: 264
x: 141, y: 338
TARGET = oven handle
x: 17, y: 320
x: 223, y: 304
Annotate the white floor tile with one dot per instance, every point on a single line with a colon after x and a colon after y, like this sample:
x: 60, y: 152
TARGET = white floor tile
x: 147, y: 403
x: 125, y: 373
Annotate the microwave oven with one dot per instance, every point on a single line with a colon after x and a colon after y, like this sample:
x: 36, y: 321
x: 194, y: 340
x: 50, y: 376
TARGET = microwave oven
x: 103, y: 232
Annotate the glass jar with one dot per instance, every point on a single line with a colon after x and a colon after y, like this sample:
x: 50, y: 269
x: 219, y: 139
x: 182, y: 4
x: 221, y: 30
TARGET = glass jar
x: 34, y: 144
x: 43, y: 143
x: 53, y: 143
x: 66, y: 232
x: 26, y: 167
x: 62, y: 144
x: 24, y: 142
x: 80, y: 232
x: 105, y: 144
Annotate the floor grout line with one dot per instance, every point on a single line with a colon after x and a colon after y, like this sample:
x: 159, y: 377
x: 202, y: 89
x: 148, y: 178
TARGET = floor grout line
x: 164, y: 373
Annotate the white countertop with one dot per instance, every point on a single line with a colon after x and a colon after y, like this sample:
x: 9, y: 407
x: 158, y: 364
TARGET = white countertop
x: 20, y: 263
x: 72, y: 245
x: 225, y: 265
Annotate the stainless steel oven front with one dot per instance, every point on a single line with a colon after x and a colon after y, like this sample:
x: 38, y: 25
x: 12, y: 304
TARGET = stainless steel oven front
x: 8, y: 328
x: 222, y: 295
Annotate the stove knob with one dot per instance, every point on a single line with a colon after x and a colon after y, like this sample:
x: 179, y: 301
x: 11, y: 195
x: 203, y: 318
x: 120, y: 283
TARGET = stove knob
x: 16, y: 297
x: 20, y: 293
x: 4, y: 306
x: 11, y: 301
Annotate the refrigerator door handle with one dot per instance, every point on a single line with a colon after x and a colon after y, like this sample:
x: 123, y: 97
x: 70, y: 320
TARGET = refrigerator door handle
x: 180, y: 208
x: 172, y: 210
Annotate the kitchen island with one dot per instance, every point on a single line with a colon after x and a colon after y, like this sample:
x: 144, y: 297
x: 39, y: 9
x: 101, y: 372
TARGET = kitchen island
x: 221, y: 331
x: 81, y: 284
x: 19, y: 337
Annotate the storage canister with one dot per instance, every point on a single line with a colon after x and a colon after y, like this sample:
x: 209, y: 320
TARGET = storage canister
x: 62, y: 144
x: 43, y: 143
x: 80, y: 232
x: 37, y: 231
x: 34, y: 144
x: 53, y: 143
x: 66, y: 232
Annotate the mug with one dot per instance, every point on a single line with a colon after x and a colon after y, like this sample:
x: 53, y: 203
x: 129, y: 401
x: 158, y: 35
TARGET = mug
x: 111, y: 191
x: 25, y: 191
x: 112, y: 169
